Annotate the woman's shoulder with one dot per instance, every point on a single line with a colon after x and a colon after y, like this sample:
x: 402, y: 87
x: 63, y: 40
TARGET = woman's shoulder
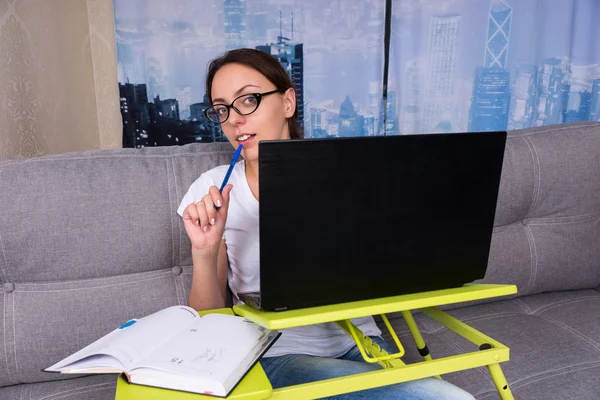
x: 215, y: 176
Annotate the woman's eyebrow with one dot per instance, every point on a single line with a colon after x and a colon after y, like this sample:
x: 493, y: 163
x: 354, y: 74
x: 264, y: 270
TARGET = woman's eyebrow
x: 237, y: 92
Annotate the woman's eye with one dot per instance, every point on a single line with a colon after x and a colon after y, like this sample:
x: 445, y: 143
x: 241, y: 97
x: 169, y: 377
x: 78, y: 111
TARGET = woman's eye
x: 250, y: 100
x: 221, y: 110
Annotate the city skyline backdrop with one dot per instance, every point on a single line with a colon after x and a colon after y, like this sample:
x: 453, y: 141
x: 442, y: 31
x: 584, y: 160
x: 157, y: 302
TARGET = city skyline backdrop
x: 455, y: 65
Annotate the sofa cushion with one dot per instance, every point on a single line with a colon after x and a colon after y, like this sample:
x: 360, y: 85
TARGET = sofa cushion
x: 554, y: 341
x: 547, y: 225
x: 88, y: 241
x: 101, y: 387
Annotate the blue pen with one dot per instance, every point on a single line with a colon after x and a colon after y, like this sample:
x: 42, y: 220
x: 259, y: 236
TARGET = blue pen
x: 233, y: 161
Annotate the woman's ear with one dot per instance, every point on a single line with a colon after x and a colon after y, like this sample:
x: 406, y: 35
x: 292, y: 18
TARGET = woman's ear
x: 289, y: 99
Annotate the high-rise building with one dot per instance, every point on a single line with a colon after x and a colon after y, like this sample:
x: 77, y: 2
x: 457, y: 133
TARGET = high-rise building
x: 234, y: 15
x: 317, y: 123
x: 391, y: 113
x: 491, y: 100
x: 168, y: 108
x: 135, y: 114
x: 579, y: 102
x: 210, y: 131
x: 411, y: 110
x: 375, y: 107
x: 491, y: 87
x: 291, y: 57
x: 553, y: 91
x: 498, y: 34
x: 523, y: 97
x: 350, y: 122
x: 441, y: 70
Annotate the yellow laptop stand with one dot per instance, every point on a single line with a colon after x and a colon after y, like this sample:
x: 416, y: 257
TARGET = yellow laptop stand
x: 255, y: 385
x: 490, y: 352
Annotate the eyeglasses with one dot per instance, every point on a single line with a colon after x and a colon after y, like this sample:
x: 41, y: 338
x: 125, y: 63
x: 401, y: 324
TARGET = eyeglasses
x: 244, y: 105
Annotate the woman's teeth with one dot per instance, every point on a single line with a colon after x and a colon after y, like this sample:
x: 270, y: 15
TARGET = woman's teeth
x: 242, y: 138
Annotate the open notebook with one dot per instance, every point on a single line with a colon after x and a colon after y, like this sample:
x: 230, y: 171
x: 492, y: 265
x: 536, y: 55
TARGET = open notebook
x: 175, y: 348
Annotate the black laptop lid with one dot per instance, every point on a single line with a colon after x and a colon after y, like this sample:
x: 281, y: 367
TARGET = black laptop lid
x: 349, y: 219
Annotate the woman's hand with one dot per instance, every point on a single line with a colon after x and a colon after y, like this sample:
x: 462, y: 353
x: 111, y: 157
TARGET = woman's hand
x: 204, y: 220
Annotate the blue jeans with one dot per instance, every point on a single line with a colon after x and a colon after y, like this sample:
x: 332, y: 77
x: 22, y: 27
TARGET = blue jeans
x: 295, y: 369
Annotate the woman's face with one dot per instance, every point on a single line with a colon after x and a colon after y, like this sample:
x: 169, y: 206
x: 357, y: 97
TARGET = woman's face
x: 268, y: 122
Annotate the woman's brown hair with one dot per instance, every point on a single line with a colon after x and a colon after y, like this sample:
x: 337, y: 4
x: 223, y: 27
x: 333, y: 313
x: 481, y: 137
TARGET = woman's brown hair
x: 264, y: 63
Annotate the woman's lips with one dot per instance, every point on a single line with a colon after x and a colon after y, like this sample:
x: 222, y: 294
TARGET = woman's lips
x: 245, y: 139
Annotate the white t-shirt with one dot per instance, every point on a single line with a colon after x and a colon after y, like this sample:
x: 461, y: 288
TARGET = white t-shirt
x: 242, y: 240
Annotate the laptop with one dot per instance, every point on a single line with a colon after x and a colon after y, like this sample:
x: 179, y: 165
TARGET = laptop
x: 356, y: 218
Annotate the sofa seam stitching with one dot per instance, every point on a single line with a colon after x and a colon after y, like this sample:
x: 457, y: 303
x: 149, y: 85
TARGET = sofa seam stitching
x: 5, y: 346
x: 572, y: 331
x: 536, y: 175
x: 97, y: 386
x: 524, y: 307
x: 10, y: 163
x: 156, y: 273
x: 5, y: 264
x: 177, y: 255
x: 560, y: 303
x: 96, y: 287
x: 549, y: 373
x: 532, y: 259
x: 14, y: 326
x: 173, y: 256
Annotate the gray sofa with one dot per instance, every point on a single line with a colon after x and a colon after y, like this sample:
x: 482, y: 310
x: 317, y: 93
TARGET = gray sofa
x: 89, y: 240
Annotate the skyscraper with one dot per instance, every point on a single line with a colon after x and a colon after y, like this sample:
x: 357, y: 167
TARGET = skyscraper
x: 234, y: 14
x: 135, y: 114
x: 553, y: 91
x: 391, y: 114
x: 351, y: 123
x: 522, y: 102
x: 291, y: 57
x: 441, y: 70
x: 411, y: 111
x: 491, y: 100
x: 498, y: 34
x: 491, y: 87
x: 578, y: 107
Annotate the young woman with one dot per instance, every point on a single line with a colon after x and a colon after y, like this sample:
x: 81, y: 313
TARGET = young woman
x: 253, y: 99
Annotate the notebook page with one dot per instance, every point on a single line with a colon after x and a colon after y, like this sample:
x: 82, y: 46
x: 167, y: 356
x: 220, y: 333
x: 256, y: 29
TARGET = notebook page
x: 212, y: 346
x: 134, y: 341
x: 140, y: 339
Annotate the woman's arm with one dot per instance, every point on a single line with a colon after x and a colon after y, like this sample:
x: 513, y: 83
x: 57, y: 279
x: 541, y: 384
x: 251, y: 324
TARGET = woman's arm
x: 204, y: 223
x: 209, y: 279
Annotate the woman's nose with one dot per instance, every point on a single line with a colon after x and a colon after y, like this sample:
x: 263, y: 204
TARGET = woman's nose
x: 235, y: 118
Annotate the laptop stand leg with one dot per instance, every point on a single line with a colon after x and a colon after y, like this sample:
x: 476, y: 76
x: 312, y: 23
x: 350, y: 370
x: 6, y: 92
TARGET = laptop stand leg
x: 500, y: 382
x: 418, y: 338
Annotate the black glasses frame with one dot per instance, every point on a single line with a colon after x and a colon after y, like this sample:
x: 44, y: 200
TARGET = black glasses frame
x: 257, y: 96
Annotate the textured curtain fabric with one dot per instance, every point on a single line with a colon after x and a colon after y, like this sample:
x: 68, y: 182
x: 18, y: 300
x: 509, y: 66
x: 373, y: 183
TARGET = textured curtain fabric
x: 487, y: 65
x: 58, y: 89
x: 333, y: 51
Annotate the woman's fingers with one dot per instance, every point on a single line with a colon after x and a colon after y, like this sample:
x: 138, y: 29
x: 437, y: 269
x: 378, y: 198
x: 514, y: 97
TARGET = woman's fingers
x: 211, y: 212
x: 202, y: 214
x: 216, y: 196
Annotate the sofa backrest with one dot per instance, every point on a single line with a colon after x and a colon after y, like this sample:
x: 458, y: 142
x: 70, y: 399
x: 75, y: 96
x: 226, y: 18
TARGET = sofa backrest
x: 547, y: 226
x: 87, y: 241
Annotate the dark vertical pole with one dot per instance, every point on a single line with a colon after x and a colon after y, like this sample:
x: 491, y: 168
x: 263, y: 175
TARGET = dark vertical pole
x: 386, y: 57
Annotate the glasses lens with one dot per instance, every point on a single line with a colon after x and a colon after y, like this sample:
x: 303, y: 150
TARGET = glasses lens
x: 246, y: 104
x: 217, y: 114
